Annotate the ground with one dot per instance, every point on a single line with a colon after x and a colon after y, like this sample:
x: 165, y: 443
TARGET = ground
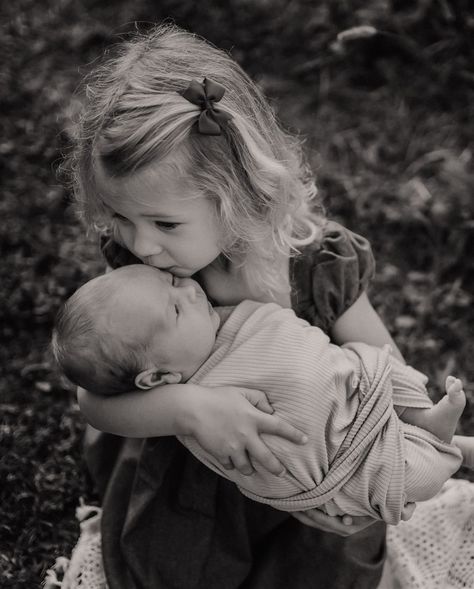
x: 386, y: 111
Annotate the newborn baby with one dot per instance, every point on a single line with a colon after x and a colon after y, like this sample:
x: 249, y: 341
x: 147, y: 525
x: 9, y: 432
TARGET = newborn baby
x: 139, y: 327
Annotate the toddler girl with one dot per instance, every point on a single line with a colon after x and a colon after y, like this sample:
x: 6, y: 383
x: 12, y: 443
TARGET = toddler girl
x: 181, y: 164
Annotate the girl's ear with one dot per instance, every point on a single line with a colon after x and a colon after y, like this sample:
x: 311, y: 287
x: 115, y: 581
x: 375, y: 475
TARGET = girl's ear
x: 147, y: 379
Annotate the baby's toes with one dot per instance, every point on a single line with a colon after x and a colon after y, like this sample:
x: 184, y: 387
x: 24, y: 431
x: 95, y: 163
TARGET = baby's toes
x: 455, y: 391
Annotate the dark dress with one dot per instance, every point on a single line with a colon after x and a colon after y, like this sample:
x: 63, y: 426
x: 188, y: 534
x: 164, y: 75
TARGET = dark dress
x: 170, y: 523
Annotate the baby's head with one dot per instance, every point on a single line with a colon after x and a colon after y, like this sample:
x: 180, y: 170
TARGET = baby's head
x: 136, y: 119
x: 134, y: 327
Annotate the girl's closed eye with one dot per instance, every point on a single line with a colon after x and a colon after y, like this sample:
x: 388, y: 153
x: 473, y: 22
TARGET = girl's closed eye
x: 119, y: 217
x: 166, y: 225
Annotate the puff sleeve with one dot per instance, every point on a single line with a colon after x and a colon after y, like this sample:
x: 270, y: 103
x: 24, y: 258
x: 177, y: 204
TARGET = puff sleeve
x: 329, y: 277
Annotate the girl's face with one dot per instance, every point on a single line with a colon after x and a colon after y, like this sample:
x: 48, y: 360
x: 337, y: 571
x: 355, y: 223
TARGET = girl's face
x: 162, y: 219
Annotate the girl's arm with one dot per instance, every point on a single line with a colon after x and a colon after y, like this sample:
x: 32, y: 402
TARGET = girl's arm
x: 226, y: 421
x: 138, y: 414
x: 362, y: 323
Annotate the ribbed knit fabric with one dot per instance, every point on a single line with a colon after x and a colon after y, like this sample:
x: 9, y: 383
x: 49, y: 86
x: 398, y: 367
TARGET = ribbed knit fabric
x: 360, y: 458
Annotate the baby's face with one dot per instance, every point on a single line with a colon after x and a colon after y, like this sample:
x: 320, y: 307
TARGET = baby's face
x: 184, y: 323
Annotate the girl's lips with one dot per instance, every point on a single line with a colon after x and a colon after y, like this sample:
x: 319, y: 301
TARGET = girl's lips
x: 149, y: 262
x: 178, y: 271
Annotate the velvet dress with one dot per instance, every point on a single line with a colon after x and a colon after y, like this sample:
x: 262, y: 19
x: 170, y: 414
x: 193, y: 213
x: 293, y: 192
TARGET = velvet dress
x: 169, y: 522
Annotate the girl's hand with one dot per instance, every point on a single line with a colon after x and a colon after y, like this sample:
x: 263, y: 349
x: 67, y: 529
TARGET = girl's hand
x: 228, y: 422
x: 344, y: 525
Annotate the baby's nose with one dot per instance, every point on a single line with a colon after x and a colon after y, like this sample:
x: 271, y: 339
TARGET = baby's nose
x: 189, y: 292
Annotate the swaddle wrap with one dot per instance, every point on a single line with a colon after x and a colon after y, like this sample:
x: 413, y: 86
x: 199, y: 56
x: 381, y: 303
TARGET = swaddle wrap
x: 360, y: 458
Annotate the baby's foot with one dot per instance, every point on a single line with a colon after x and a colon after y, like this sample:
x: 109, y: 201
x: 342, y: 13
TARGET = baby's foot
x: 446, y: 413
x: 441, y: 419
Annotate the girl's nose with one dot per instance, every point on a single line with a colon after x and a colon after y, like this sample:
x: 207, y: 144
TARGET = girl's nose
x: 144, y: 246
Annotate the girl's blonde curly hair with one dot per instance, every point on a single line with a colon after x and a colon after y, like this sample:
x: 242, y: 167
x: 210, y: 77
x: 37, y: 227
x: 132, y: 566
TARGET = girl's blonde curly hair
x: 254, y: 172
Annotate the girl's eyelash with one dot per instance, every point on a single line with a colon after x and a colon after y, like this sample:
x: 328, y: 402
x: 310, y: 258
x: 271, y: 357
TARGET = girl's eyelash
x: 165, y: 225
x: 161, y: 224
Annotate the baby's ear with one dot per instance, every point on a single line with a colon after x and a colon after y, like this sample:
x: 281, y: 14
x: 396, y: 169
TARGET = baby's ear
x: 147, y: 379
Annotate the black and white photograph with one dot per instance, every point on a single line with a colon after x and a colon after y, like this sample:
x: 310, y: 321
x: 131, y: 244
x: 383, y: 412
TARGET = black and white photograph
x: 237, y: 294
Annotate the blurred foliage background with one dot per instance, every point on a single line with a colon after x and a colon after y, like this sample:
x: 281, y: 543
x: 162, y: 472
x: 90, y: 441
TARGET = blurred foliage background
x: 386, y: 109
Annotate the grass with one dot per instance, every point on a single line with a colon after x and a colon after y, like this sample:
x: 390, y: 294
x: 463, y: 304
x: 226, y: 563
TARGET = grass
x: 388, y: 124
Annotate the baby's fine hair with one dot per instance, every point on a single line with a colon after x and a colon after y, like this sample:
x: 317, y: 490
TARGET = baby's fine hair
x: 100, y: 364
x: 254, y: 172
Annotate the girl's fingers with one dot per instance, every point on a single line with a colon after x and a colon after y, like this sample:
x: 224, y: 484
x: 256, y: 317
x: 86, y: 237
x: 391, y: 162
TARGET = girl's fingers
x: 242, y: 463
x: 321, y: 521
x: 264, y: 456
x: 352, y: 525
x: 258, y: 400
x: 335, y: 524
x: 227, y: 464
x: 407, y: 511
x: 305, y: 519
x: 278, y: 427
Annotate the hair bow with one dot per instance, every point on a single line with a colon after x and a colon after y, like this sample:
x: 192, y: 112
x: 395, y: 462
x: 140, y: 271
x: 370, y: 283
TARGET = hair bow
x: 205, y: 94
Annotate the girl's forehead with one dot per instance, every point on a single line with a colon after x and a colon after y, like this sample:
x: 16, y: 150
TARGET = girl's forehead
x: 163, y: 186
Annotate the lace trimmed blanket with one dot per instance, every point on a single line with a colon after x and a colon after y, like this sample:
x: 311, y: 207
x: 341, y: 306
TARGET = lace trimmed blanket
x: 433, y: 550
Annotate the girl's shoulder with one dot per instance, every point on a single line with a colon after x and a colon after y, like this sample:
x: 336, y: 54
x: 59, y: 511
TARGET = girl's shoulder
x: 330, y: 274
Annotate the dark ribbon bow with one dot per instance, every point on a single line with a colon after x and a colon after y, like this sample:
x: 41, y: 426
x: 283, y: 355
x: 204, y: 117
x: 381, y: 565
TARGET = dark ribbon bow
x: 212, y: 119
